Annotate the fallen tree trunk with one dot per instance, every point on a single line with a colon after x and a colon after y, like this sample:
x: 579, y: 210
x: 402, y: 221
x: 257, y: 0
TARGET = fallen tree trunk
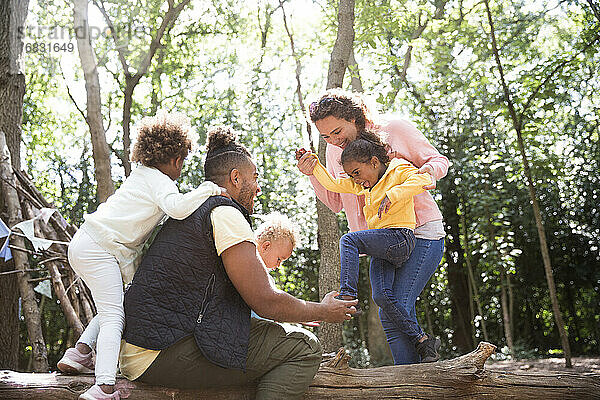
x: 462, y: 377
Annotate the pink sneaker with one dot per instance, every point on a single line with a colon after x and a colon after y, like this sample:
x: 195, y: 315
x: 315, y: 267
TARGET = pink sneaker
x: 75, y: 362
x: 95, y: 393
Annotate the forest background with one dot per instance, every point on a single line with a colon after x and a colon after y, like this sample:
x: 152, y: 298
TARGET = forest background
x: 508, y: 90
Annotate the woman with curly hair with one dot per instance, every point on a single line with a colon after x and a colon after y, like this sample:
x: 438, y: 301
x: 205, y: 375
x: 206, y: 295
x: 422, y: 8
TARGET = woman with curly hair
x: 340, y: 116
x: 104, y: 249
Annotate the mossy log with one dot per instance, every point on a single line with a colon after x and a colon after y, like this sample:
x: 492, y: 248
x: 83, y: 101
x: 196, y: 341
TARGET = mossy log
x: 463, y: 377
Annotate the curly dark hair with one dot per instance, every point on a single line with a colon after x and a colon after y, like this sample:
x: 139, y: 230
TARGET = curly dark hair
x: 341, y: 104
x: 365, y: 147
x: 224, y: 153
x: 162, y: 138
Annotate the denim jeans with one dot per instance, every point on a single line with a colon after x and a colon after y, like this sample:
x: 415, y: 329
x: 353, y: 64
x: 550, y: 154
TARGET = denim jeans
x: 282, y: 362
x: 408, y: 282
x: 393, y: 245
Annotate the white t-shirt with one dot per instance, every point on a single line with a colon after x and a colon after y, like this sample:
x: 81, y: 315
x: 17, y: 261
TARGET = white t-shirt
x: 229, y: 228
x: 123, y: 223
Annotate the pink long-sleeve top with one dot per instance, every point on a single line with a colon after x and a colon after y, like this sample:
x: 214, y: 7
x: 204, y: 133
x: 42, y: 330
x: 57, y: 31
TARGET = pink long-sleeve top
x: 405, y: 141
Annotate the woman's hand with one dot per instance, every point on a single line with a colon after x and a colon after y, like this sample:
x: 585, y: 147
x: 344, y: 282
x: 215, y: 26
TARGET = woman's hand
x: 384, y: 206
x: 306, y: 163
x: 429, y: 169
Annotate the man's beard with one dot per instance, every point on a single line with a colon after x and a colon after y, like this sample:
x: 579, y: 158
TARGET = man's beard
x: 246, y: 197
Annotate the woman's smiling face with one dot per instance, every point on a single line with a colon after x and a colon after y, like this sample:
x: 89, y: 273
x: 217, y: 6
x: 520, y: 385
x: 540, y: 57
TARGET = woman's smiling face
x: 337, y: 131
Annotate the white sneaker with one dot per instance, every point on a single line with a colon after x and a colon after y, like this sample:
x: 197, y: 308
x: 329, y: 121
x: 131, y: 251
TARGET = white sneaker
x: 95, y: 393
x: 75, y: 362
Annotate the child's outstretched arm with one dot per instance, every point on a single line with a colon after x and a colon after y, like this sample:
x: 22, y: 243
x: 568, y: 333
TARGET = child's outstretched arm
x: 410, y: 182
x: 342, y: 185
x: 179, y: 205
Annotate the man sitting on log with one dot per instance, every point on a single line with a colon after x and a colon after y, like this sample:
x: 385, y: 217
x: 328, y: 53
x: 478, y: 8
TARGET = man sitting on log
x: 187, y: 311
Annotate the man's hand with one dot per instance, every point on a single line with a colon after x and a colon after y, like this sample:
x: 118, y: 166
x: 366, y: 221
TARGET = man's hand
x: 429, y: 169
x: 335, y: 310
x: 249, y: 276
x: 384, y: 206
x: 306, y: 162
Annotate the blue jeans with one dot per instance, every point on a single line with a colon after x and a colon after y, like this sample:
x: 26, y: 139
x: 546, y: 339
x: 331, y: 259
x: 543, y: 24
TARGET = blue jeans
x: 393, y: 245
x: 389, y: 249
x: 408, y: 282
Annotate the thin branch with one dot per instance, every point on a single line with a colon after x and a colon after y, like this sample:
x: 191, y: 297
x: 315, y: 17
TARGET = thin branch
x: 121, y: 49
x: 298, y: 73
x: 119, y: 154
x: 20, y: 271
x: 56, y: 258
x: 509, y: 102
x: 71, y: 96
x: 560, y: 66
x: 595, y: 9
x: 170, y: 16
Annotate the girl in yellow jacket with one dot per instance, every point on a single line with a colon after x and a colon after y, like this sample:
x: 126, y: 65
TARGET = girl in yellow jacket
x: 389, y: 187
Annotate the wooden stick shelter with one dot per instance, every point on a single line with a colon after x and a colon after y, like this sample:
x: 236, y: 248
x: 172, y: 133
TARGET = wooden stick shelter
x: 463, y: 377
x: 22, y: 197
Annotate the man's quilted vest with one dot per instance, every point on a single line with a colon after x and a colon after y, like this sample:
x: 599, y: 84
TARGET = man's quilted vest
x: 181, y: 288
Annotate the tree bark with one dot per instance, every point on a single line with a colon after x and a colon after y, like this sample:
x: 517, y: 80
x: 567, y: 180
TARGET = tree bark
x: 343, y: 44
x: 464, y: 377
x: 13, y: 14
x: 517, y: 125
x: 100, y: 149
x: 29, y: 303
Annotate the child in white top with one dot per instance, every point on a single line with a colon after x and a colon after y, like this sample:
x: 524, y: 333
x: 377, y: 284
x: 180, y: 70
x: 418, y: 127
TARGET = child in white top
x: 104, y: 249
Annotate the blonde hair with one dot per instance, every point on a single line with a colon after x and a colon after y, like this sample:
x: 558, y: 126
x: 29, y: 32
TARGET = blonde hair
x: 276, y: 226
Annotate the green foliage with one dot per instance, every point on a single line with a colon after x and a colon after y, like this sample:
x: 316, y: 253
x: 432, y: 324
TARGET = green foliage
x: 227, y: 62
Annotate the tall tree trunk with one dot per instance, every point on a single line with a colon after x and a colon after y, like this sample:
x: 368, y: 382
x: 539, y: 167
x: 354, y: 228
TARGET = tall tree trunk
x: 506, y: 318
x: 13, y: 14
x: 100, y: 150
x: 474, y: 287
x: 127, y: 103
x: 517, y: 125
x: 458, y: 284
x: 511, y: 301
x: 328, y: 235
x: 30, y: 307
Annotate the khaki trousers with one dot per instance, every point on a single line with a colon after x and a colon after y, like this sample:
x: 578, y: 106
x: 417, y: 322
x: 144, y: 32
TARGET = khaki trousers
x: 282, y: 361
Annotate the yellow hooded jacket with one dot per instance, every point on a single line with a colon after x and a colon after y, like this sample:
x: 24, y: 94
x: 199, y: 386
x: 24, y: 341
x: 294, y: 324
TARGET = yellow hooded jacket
x: 400, y: 183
